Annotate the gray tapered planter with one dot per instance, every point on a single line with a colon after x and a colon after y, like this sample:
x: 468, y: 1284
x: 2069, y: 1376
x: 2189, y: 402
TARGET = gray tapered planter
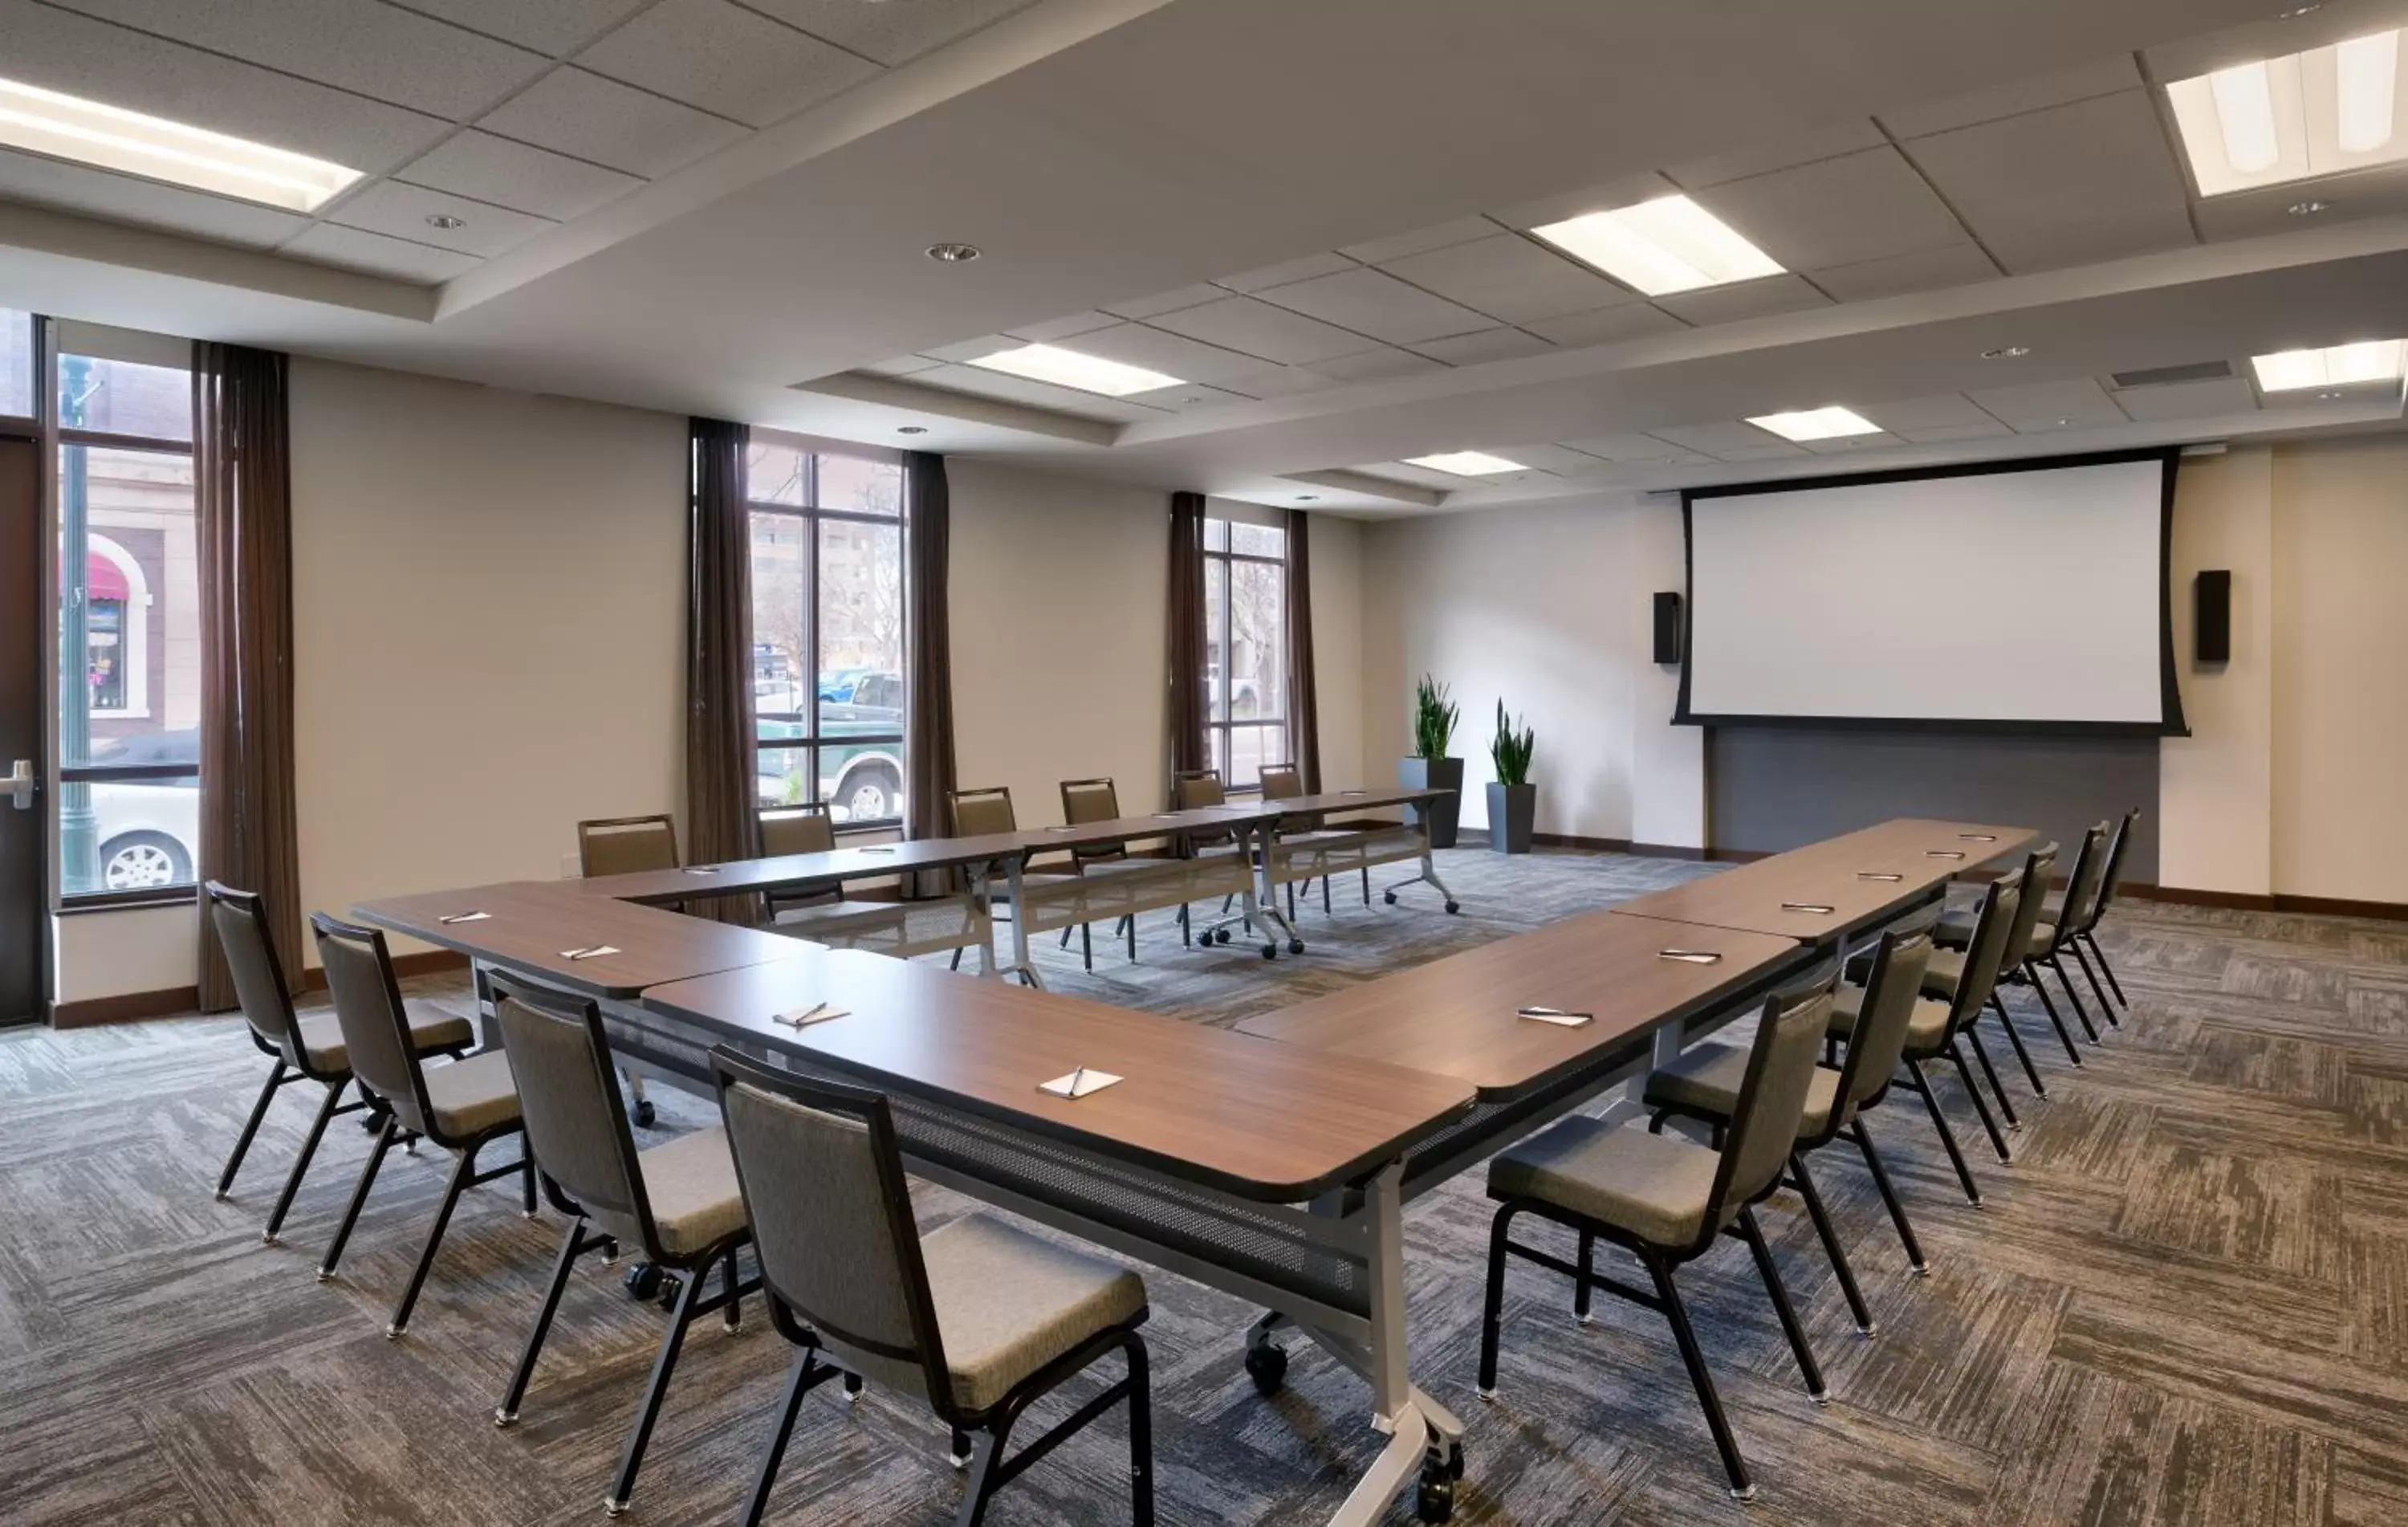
x: 1435, y: 774
x: 1512, y: 809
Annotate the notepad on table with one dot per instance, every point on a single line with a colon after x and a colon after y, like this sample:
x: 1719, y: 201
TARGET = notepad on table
x: 816, y: 1012
x: 591, y: 952
x: 1555, y: 1015
x: 1083, y: 1082
x: 1691, y: 957
x: 464, y: 917
x: 1817, y: 907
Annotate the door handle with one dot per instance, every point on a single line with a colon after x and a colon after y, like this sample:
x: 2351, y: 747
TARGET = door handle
x: 23, y: 784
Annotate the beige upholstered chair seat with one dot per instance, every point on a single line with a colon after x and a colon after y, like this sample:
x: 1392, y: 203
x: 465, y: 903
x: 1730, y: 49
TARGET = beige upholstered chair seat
x: 1923, y: 1031
x: 430, y: 1029
x: 813, y: 912
x: 473, y: 1095
x: 1008, y: 1304
x: 690, y: 1182
x: 1654, y: 1186
x: 1706, y: 1078
x: 1946, y: 969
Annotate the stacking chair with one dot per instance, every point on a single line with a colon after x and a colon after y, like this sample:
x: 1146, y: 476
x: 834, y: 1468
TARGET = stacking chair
x: 984, y: 812
x: 2038, y: 950
x: 978, y: 1318
x: 626, y: 846
x: 1284, y: 781
x: 461, y: 1107
x: 1665, y: 1200
x: 310, y: 1048
x: 1197, y: 789
x: 679, y: 1203
x: 1704, y: 1083
x: 1933, y: 1027
x: 2086, y: 927
x: 1947, y: 969
x: 1096, y: 800
x: 795, y: 829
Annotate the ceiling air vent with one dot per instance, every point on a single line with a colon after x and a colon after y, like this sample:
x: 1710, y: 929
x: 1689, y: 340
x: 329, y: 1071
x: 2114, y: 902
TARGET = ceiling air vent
x: 2163, y: 376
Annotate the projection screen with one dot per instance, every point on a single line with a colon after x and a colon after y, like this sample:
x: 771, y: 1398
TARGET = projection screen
x: 2006, y: 596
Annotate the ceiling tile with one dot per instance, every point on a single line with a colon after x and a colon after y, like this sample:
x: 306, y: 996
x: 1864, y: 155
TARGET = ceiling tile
x: 1173, y: 355
x: 1187, y: 398
x: 78, y: 188
x: 1913, y: 418
x: 1732, y: 441
x: 1547, y: 458
x: 1844, y: 445
x: 611, y: 123
x: 1836, y: 211
x: 1745, y: 300
x: 1462, y: 230
x: 1795, y: 149
x: 1043, y: 394
x: 901, y: 366
x: 2065, y: 186
x: 506, y: 174
x: 964, y: 351
x: 723, y: 58
x: 2041, y: 404
x: 1186, y: 296
x: 1607, y: 326
x: 357, y: 45
x: 558, y: 27
x: 1279, y: 381
x: 1925, y: 270
x: 2104, y: 76
x: 1056, y: 329
x: 1260, y: 329
x: 389, y: 207
x: 103, y: 62
x: 1327, y: 263
x: 1501, y: 344
x: 1371, y: 302
x: 1629, y: 192
x: 1509, y: 277
x: 2216, y: 400
x: 1944, y: 434
x: 375, y: 254
x: 1636, y: 449
x: 890, y: 33
x: 1378, y: 365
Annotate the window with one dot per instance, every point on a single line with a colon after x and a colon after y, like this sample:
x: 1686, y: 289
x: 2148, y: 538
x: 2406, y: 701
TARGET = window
x: 129, y: 625
x: 1245, y: 649
x: 827, y: 632
x: 17, y: 390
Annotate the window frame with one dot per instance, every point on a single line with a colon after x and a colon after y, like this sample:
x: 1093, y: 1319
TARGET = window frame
x: 1220, y: 738
x: 809, y: 516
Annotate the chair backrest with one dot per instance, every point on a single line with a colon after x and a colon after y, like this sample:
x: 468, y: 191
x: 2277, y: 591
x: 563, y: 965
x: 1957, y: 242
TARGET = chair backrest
x: 375, y: 1027
x: 2083, y: 888
x: 797, y: 829
x: 1093, y: 800
x: 1984, y: 953
x: 569, y: 1102
x: 240, y: 918
x: 1892, y: 987
x: 1772, y: 1099
x: 1192, y: 789
x: 2112, y: 881
x: 2030, y: 890
x: 1282, y: 782
x: 831, y: 1212
x: 626, y: 846
x: 980, y: 811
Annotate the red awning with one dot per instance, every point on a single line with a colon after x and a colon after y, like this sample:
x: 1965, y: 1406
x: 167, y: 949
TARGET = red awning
x: 104, y: 579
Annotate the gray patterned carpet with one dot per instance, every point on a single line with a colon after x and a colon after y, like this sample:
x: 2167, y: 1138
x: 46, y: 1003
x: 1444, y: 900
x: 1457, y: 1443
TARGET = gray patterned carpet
x: 2185, y: 1303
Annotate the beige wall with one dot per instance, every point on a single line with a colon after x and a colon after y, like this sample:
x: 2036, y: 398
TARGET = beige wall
x: 2215, y: 786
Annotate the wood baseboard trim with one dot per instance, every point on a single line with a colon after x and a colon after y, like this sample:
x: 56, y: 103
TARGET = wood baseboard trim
x: 126, y: 1007
x: 1625, y: 845
x: 2321, y: 906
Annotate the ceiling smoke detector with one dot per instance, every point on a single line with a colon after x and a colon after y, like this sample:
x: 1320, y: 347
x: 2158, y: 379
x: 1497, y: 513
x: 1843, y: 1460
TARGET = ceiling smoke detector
x: 446, y: 221
x: 2007, y: 353
x: 910, y: 429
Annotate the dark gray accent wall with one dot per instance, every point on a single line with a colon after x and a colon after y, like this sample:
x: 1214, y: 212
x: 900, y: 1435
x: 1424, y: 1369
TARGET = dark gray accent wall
x: 1769, y: 788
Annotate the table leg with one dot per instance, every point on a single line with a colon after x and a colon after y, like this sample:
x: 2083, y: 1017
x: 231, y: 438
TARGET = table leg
x: 1266, y: 897
x: 981, y: 878
x: 1257, y: 918
x: 1428, y: 875
x: 1416, y: 1449
x: 1021, y: 965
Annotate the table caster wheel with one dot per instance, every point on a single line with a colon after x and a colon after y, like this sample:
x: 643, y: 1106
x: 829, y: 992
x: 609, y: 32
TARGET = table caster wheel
x: 645, y: 1113
x: 1436, y: 1500
x: 1296, y: 946
x: 1220, y: 935
x: 643, y: 1281
x: 1266, y: 1365
x: 1270, y: 951
x: 1452, y: 907
x: 671, y: 1285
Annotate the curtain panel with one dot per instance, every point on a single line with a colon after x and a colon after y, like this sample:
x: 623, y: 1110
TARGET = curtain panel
x: 1185, y: 712
x: 1303, y: 709
x: 929, y: 648
x: 720, y: 819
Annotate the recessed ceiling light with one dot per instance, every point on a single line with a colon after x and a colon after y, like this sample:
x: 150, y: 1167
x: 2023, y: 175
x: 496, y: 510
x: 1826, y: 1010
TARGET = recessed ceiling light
x: 445, y: 221
x: 2297, y: 11
x: 2341, y: 366
x: 2308, y: 208
x: 1829, y: 424
x: 1308, y: 498
x: 2327, y: 398
x: 953, y: 254
x: 1466, y: 463
x: 1670, y: 244
x: 2316, y: 112
x: 2007, y: 353
x: 910, y: 429
x: 1069, y: 368
x: 68, y: 127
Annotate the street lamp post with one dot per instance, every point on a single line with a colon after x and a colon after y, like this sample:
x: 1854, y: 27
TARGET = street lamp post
x: 79, y: 850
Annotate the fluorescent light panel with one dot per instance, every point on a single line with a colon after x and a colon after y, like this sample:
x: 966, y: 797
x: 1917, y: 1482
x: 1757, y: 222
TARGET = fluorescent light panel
x: 1466, y: 463
x: 1069, y: 368
x: 1670, y: 244
x: 2341, y: 366
x: 1829, y: 424
x: 2306, y: 114
x: 59, y: 126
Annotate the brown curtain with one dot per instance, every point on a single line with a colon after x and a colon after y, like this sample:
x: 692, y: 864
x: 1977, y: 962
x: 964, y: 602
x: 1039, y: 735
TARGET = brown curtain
x: 242, y: 492
x: 928, y: 648
x: 1303, y: 711
x: 1186, y: 646
x: 720, y: 822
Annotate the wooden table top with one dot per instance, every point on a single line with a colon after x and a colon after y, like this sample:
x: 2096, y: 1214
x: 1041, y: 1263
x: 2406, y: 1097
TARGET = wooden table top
x: 531, y: 923
x: 1859, y: 876
x: 1273, y: 1122
x: 1459, y: 1016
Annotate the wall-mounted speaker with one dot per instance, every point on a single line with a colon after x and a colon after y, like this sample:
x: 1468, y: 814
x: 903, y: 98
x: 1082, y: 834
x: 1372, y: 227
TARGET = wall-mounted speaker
x: 2210, y: 626
x: 1667, y: 627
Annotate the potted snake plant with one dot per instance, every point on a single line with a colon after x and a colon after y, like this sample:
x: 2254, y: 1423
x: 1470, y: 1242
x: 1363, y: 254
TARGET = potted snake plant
x: 1513, y: 799
x: 1430, y: 767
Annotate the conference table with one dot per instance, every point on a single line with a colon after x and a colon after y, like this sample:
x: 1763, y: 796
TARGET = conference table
x: 1272, y: 1161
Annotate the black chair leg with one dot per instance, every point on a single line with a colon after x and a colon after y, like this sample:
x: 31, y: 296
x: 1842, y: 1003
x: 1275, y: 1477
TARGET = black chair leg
x: 1186, y: 931
x: 2096, y: 989
x: 1367, y: 884
x: 1790, y: 1327
x: 1947, y: 1136
x: 571, y: 1247
x: 1128, y: 925
x: 1831, y: 1247
x: 2007, y: 1021
x: 2064, y: 1035
x: 657, y: 1388
x: 732, y: 1318
x: 986, y: 1468
x: 1890, y: 1199
x: 1291, y: 905
x: 2105, y: 969
x: 798, y: 1383
x: 2081, y: 1014
x: 1141, y: 1425
x: 301, y: 1164
x: 1493, y: 1305
x: 277, y: 1077
x: 958, y: 960
x: 1588, y: 1267
x: 1086, y: 943
x: 460, y: 1171
x: 1694, y: 1358
x: 526, y: 1182
x: 1981, y: 1105
x: 1066, y: 936
x: 384, y: 1139
x: 1324, y: 891
x: 1982, y: 1053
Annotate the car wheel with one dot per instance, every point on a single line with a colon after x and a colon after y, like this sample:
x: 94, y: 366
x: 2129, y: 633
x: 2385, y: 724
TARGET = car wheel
x: 868, y: 796
x: 142, y: 861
